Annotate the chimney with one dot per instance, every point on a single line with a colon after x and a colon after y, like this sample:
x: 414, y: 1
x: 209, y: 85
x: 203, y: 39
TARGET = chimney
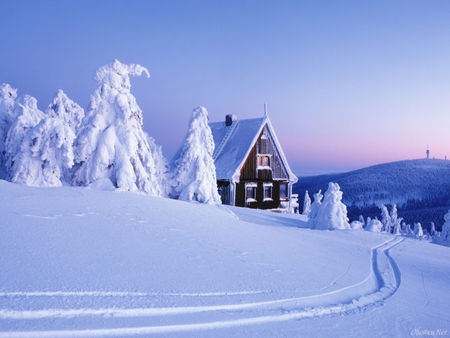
x: 229, y: 119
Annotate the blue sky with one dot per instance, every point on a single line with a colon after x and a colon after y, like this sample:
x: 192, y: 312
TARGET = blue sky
x: 347, y: 83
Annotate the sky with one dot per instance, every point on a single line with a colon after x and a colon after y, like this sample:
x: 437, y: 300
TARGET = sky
x: 348, y: 84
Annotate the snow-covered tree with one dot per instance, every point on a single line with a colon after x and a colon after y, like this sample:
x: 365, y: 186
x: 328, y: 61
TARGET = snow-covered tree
x: 385, y: 219
x: 444, y: 237
x: 361, y: 220
x: 395, y: 221
x: 28, y: 117
x: 397, y: 230
x: 7, y: 100
x: 407, y: 231
x: 374, y: 225
x: 332, y: 213
x: 46, y: 155
x: 67, y: 110
x: 194, y: 174
x: 356, y: 225
x: 306, y: 204
x: 391, y: 222
x: 315, y: 207
x: 432, y: 230
x: 418, y: 231
x: 112, y: 143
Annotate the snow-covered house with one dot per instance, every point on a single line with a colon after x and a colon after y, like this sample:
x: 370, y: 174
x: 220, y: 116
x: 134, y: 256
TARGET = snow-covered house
x: 251, y: 168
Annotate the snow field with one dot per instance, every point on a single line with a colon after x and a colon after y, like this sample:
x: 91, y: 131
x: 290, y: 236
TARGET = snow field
x: 79, y: 262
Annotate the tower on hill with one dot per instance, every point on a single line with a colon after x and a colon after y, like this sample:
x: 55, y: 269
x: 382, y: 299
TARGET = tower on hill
x: 428, y: 153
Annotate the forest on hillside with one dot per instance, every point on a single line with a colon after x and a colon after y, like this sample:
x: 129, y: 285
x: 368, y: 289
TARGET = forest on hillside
x: 419, y: 188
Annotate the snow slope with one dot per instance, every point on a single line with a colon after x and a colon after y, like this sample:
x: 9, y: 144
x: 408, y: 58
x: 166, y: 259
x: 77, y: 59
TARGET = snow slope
x: 80, y: 262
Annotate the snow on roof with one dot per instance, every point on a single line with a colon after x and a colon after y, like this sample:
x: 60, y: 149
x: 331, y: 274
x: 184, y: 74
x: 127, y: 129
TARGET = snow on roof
x: 234, y: 143
x: 232, y: 148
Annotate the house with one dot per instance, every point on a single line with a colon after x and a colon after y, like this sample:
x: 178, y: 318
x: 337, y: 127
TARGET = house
x: 251, y: 168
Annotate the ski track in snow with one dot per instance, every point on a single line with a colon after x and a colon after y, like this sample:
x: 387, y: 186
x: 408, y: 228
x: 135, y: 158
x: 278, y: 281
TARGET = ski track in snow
x: 382, y: 282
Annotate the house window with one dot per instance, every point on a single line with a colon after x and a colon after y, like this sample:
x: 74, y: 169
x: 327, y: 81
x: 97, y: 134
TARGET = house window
x: 283, y: 191
x: 250, y: 192
x: 263, y: 161
x: 268, y: 191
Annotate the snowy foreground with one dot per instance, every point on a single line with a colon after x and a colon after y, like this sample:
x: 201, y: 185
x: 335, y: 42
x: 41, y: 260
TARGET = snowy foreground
x: 79, y: 262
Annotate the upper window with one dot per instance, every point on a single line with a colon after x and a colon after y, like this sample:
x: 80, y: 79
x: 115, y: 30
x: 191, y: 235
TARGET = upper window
x: 263, y: 161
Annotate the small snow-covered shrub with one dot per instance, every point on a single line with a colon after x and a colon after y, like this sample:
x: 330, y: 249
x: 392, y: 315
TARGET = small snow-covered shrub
x: 374, y: 225
x: 356, y: 225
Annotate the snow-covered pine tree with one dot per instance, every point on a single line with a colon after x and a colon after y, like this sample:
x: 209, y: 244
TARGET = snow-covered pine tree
x: 418, y: 231
x: 47, y: 154
x: 112, y: 143
x: 7, y: 100
x: 16, y: 158
x: 443, y: 238
x: 395, y: 221
x: 385, y: 219
x: 397, y: 230
x: 67, y: 110
x: 306, y: 204
x: 362, y: 221
x: 432, y: 230
x: 332, y: 213
x: 373, y: 225
x: 194, y: 173
x: 315, y: 206
x: 407, y: 229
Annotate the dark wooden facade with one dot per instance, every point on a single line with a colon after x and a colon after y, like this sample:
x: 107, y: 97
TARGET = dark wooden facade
x: 263, y: 180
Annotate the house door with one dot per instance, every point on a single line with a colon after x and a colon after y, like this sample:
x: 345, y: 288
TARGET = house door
x: 224, y: 191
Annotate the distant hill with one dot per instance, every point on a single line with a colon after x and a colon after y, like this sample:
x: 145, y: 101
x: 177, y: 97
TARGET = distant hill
x: 420, y: 188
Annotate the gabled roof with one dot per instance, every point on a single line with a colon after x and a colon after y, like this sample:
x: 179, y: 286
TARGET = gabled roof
x: 234, y: 143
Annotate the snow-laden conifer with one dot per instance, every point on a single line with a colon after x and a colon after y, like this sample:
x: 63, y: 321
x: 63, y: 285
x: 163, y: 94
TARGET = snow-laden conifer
x: 443, y: 238
x: 385, y: 219
x: 357, y: 225
x: 7, y: 100
x: 16, y: 157
x: 315, y: 206
x: 67, y: 110
x: 395, y: 220
x: 112, y: 143
x: 418, y: 231
x: 46, y: 155
x: 331, y: 213
x: 306, y: 204
x: 432, y: 230
x: 362, y: 221
x: 373, y: 225
x: 40, y: 146
x: 194, y: 174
